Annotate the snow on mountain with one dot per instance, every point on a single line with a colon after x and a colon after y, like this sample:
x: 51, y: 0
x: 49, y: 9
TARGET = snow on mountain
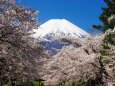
x: 59, y: 27
x: 57, y: 33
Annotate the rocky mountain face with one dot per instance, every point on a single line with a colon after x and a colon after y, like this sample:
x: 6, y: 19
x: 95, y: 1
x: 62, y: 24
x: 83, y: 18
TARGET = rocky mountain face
x: 54, y: 34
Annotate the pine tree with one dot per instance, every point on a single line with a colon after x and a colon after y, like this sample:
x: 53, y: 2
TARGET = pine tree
x: 107, y: 13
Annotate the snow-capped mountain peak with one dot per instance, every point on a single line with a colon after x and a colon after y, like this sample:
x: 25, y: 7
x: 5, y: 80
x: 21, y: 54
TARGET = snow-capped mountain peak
x: 59, y: 27
x: 57, y: 33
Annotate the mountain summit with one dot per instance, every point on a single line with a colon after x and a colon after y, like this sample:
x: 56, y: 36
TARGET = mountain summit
x: 57, y: 33
x: 59, y: 27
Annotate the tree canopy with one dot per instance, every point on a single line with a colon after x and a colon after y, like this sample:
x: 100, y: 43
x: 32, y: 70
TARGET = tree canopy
x: 107, y: 14
x: 18, y: 59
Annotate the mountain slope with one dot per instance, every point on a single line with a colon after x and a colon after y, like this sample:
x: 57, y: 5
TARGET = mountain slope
x: 59, y: 27
x: 57, y: 33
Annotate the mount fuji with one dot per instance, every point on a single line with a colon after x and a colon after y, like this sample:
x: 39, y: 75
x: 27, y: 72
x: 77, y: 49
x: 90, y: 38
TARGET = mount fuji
x: 57, y: 33
x: 59, y: 27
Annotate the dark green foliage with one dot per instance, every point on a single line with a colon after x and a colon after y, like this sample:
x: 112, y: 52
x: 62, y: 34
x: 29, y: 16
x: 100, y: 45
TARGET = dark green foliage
x: 71, y: 83
x: 107, y: 13
x: 110, y: 39
x: 104, y: 53
x: 107, y: 61
x: 105, y: 46
x: 80, y: 84
x: 107, y: 42
x: 9, y: 83
x: 38, y: 83
x: 41, y: 83
x: 28, y: 83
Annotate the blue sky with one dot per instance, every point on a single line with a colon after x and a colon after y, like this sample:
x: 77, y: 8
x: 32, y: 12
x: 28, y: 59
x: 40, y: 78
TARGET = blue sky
x: 83, y: 13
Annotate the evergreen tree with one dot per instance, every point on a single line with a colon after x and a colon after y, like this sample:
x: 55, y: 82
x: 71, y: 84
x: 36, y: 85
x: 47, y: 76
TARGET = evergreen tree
x: 107, y: 17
